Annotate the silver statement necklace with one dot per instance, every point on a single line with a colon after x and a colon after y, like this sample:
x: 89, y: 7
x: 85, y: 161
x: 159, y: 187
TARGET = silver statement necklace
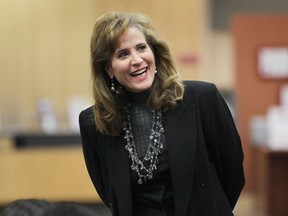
x: 145, y: 167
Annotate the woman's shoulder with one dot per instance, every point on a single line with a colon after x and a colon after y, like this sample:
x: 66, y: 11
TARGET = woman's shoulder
x: 86, y: 116
x: 197, y: 88
x: 204, y: 95
x: 88, y: 112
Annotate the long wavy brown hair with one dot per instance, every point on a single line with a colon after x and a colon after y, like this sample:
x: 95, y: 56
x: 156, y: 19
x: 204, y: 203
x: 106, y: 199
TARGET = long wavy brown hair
x: 167, y: 89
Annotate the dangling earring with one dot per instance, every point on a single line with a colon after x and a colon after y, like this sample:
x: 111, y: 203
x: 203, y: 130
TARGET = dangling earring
x: 155, y: 70
x: 113, y: 88
x: 112, y: 85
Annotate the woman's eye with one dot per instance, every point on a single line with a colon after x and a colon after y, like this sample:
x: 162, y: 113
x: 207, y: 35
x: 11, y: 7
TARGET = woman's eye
x: 142, y: 47
x: 122, y: 55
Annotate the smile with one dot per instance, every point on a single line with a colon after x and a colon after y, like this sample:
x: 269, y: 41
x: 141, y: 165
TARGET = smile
x: 139, y: 72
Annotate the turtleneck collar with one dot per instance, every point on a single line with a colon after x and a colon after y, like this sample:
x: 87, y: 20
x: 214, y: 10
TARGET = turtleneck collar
x: 140, y: 97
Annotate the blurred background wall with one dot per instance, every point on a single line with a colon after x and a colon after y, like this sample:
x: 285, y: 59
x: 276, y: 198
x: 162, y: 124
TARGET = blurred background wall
x: 45, y: 49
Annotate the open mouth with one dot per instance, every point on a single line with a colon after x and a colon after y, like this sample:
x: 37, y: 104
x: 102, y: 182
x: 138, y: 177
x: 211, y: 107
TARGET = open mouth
x: 139, y: 72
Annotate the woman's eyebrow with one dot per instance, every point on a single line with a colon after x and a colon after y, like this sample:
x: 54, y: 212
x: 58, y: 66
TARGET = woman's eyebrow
x: 121, y: 50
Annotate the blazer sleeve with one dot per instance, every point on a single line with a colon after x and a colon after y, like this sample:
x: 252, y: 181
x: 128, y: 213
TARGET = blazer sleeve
x: 91, y: 152
x: 224, y: 145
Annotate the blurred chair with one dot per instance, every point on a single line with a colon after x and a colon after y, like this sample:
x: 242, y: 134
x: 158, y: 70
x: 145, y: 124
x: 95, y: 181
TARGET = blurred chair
x: 69, y: 208
x: 26, y: 207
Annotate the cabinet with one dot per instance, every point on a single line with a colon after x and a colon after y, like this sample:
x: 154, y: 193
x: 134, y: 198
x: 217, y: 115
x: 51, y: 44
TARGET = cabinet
x: 273, y: 181
x: 54, y: 173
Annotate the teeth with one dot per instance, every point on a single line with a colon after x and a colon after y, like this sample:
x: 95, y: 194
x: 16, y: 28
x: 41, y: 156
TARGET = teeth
x: 139, y: 72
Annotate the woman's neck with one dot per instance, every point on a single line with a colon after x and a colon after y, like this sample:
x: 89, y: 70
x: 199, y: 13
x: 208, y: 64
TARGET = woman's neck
x: 139, y: 97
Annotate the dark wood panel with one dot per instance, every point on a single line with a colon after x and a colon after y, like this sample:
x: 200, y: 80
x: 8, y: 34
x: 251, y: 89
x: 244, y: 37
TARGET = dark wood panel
x: 254, y: 95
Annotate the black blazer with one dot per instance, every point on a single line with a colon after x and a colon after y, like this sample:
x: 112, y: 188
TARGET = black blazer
x: 204, y: 149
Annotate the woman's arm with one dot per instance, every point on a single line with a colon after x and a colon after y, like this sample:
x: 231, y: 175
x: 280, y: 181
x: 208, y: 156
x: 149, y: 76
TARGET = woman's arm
x: 224, y: 145
x: 91, y: 153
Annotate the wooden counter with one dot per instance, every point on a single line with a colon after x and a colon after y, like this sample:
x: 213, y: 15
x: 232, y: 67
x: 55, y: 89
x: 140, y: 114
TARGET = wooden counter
x: 57, y: 173
x: 273, y: 181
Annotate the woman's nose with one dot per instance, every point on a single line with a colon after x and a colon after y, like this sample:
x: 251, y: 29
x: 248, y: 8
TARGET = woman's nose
x: 136, y: 59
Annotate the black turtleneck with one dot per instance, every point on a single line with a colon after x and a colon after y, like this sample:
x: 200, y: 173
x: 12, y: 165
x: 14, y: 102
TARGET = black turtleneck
x: 141, y: 120
x: 155, y: 195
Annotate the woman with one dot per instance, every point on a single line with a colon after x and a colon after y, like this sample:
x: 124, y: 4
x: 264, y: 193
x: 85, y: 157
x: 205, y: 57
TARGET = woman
x: 154, y: 145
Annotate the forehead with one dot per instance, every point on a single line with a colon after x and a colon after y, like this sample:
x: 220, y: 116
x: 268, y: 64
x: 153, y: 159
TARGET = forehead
x: 131, y: 36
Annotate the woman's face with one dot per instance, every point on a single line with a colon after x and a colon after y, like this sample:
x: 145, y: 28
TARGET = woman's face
x: 133, y: 62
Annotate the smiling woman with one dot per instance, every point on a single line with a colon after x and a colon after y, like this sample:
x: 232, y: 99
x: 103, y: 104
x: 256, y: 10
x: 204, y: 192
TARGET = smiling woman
x: 123, y: 44
x: 153, y: 144
x: 133, y: 62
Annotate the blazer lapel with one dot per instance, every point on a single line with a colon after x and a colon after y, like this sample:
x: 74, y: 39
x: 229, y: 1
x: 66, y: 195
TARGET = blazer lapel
x: 180, y: 132
x: 118, y: 162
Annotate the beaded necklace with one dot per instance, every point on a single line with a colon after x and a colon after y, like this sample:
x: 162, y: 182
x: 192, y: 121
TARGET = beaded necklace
x: 145, y: 167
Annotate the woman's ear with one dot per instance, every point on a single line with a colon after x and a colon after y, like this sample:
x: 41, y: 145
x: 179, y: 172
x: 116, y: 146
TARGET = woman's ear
x: 109, y: 71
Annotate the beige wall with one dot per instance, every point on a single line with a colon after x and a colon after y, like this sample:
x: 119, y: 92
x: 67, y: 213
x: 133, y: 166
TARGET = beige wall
x: 45, y: 49
x: 44, y: 52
